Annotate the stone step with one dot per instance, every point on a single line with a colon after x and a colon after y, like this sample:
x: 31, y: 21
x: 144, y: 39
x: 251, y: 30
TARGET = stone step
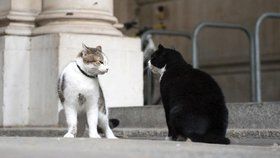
x: 241, y: 116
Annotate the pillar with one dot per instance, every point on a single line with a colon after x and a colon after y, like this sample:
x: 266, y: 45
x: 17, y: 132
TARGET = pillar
x: 17, y: 20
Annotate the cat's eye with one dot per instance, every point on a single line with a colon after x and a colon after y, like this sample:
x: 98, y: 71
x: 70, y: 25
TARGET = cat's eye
x: 101, y: 62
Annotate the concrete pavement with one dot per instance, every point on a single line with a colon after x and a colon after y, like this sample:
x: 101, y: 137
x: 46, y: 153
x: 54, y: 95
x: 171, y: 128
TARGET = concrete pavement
x: 29, y: 147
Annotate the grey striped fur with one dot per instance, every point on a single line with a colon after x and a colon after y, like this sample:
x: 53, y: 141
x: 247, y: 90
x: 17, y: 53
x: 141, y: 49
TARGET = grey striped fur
x: 60, y: 88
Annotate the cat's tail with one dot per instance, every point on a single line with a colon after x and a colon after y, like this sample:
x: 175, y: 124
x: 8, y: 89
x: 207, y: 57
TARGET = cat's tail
x: 113, y: 123
x: 216, y: 139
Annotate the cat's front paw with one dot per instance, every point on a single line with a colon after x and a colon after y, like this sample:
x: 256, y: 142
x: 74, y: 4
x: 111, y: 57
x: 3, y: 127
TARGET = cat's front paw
x: 181, y: 138
x: 112, y: 137
x: 69, y: 135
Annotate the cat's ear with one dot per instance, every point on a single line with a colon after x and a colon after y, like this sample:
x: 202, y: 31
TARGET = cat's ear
x: 99, y: 48
x: 160, y: 47
x: 85, y: 47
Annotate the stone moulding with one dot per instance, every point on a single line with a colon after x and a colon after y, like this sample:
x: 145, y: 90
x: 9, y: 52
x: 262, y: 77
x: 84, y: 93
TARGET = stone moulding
x: 77, y: 14
x: 76, y: 21
x: 17, y: 23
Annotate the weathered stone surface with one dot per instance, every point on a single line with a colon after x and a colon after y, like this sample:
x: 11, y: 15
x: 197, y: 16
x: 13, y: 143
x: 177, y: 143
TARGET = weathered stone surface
x: 254, y: 116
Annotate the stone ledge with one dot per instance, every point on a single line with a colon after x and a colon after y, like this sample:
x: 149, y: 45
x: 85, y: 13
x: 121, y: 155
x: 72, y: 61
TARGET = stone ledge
x: 147, y: 133
x: 231, y: 133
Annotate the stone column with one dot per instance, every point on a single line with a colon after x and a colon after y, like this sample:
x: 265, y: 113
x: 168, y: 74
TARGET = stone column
x: 83, y: 16
x: 16, y: 23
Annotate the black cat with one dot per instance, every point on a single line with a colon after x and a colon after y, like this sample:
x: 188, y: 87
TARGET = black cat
x: 193, y: 102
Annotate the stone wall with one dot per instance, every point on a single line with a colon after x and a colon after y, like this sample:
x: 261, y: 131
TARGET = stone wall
x: 222, y: 53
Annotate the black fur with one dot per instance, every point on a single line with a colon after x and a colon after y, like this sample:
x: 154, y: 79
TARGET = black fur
x: 113, y: 123
x: 194, y: 103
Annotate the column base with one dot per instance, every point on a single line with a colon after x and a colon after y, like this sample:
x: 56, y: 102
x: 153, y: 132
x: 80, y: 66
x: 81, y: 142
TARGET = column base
x: 31, y: 65
x: 20, y: 106
x: 122, y: 85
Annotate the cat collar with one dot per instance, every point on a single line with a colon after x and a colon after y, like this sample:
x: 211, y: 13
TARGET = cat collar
x: 85, y: 72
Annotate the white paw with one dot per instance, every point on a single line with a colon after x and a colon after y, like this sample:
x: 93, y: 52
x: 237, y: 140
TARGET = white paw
x: 97, y: 136
x: 112, y: 137
x: 168, y: 138
x: 189, y: 140
x: 69, y: 135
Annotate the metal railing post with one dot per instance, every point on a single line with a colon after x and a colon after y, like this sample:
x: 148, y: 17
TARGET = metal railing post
x: 203, y: 25
x: 257, y: 49
x: 168, y: 33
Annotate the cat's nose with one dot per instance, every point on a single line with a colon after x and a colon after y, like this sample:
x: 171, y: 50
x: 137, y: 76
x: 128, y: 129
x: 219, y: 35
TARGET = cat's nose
x: 107, y: 70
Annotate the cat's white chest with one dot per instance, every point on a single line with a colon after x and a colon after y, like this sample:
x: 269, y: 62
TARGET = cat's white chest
x: 83, y: 83
x: 79, y: 83
x: 161, y: 72
x: 157, y: 70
